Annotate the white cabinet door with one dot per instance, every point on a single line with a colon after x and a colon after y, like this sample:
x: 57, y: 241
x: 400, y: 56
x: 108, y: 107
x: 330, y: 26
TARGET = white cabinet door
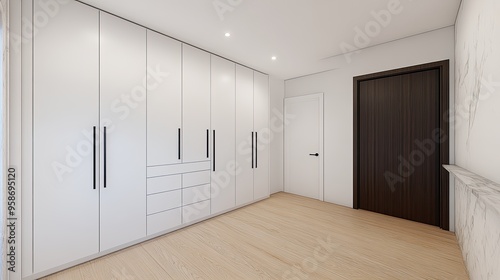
x: 123, y: 113
x: 244, y: 135
x: 223, y: 133
x: 164, y: 100
x: 196, y: 104
x: 263, y: 138
x: 66, y: 108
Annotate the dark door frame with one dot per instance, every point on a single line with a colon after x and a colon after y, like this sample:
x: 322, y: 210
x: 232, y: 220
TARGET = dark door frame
x: 444, y: 147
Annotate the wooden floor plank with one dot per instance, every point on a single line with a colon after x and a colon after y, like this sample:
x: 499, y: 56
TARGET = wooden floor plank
x: 288, y: 237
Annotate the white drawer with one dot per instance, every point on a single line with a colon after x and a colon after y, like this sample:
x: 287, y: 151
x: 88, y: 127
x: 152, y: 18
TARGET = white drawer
x: 195, y: 211
x: 164, y: 201
x: 164, y: 184
x: 164, y: 170
x: 195, y: 194
x: 195, y: 179
x: 164, y: 221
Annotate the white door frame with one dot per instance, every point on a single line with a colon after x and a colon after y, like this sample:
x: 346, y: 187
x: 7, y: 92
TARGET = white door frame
x: 319, y: 97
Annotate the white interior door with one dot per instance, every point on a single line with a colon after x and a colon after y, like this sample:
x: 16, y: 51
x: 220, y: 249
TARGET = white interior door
x: 164, y: 100
x: 223, y: 129
x: 245, y: 135
x: 123, y: 113
x: 304, y: 146
x: 66, y: 108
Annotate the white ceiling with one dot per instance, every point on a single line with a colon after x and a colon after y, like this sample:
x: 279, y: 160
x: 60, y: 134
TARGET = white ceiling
x: 303, y: 34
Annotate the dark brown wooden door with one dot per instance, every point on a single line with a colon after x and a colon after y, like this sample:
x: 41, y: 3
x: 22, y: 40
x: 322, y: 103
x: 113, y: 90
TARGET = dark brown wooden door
x: 399, y: 166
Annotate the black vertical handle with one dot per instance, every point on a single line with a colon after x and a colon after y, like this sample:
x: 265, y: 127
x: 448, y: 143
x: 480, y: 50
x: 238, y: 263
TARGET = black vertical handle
x: 256, y: 151
x: 104, y: 151
x: 252, y: 149
x: 213, y: 152
x: 94, y: 159
x: 208, y: 140
x: 179, y: 144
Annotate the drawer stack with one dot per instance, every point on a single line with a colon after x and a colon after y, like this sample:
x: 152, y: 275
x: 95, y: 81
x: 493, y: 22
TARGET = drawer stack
x: 177, y: 194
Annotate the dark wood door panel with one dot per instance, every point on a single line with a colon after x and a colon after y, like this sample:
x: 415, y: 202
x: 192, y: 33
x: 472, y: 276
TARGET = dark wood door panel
x: 423, y: 150
x: 379, y: 126
x: 397, y: 117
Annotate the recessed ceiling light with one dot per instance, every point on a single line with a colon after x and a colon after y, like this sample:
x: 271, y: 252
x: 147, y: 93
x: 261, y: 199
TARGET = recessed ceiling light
x: 227, y: 34
x: 274, y: 58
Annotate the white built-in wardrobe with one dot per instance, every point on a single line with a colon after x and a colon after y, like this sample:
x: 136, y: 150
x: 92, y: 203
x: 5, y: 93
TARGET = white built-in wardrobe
x: 136, y: 134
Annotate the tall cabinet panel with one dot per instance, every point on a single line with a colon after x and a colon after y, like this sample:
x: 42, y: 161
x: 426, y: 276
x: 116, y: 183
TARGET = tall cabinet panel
x: 66, y: 109
x: 223, y: 133
x: 164, y: 100
x: 123, y: 116
x: 196, y: 104
x: 263, y: 138
x: 135, y: 133
x: 245, y: 135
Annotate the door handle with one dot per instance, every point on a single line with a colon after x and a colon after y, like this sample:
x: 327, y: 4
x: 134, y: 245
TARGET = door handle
x: 252, y: 152
x: 256, y: 151
x: 94, y: 158
x: 213, y: 152
x: 104, y: 152
x: 208, y: 140
x: 179, y: 144
x: 314, y: 155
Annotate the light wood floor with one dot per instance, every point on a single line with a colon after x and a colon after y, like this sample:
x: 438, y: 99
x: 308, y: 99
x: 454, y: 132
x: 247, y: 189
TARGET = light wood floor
x: 287, y: 237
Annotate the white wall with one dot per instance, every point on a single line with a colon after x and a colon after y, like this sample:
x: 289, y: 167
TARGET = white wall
x: 477, y: 112
x: 478, y: 88
x: 337, y: 85
x: 277, y: 94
